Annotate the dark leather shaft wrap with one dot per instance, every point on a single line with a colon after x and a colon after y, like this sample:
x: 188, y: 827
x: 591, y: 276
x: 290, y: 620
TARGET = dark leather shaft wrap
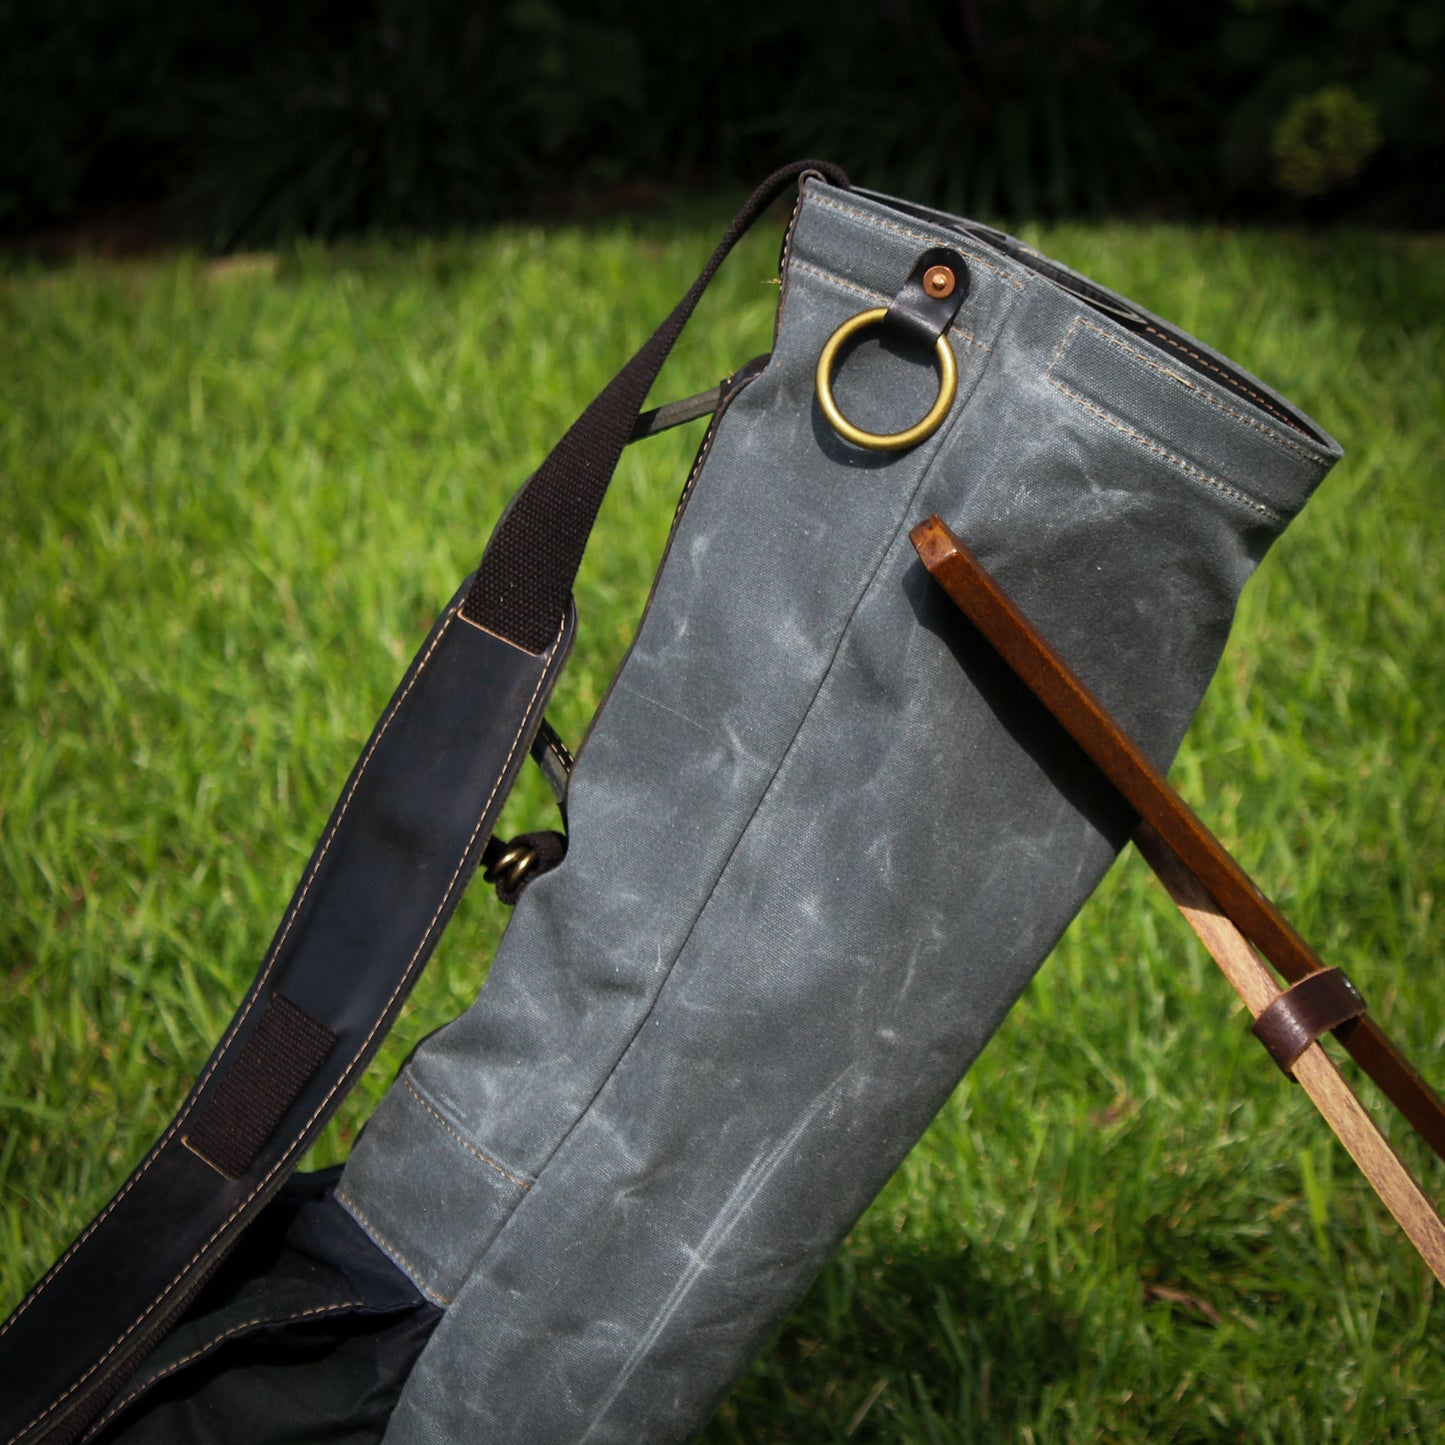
x: 1305, y: 1012
x: 404, y: 837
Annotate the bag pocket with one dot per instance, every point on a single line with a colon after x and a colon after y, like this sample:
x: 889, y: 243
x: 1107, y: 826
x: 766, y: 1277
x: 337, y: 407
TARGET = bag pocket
x: 1217, y: 440
x: 307, y: 1332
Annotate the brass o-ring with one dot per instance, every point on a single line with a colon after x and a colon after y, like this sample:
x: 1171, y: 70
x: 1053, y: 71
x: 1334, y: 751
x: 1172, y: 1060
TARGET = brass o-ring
x: 876, y: 441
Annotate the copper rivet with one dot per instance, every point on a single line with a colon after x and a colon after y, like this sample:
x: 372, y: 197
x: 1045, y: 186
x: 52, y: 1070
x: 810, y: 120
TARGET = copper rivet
x: 939, y: 281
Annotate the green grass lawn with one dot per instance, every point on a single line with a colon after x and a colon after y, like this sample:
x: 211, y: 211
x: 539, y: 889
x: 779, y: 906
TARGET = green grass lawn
x: 233, y: 496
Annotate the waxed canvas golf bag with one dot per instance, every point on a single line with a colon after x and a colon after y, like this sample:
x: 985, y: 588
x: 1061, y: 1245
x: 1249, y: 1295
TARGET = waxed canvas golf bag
x: 819, y: 841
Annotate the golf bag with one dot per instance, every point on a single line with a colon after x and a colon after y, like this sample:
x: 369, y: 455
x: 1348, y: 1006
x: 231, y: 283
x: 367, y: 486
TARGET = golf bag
x: 819, y: 839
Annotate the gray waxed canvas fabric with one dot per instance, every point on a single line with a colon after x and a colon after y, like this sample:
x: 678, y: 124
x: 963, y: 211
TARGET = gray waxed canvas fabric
x: 820, y: 840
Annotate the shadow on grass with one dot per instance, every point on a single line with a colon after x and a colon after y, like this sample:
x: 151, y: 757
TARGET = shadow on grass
x: 897, y: 1343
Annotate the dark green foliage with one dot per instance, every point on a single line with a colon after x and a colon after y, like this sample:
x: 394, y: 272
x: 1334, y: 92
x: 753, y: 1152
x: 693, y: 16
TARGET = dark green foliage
x: 418, y: 116
x: 319, y: 117
x: 1294, y: 72
x: 1020, y: 110
x: 93, y: 101
x: 1324, y: 140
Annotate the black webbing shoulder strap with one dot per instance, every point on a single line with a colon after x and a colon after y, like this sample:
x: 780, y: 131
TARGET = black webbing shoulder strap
x: 526, y: 575
x: 404, y: 837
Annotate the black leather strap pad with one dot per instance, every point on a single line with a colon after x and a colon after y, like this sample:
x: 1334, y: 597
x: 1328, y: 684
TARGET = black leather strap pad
x: 402, y: 841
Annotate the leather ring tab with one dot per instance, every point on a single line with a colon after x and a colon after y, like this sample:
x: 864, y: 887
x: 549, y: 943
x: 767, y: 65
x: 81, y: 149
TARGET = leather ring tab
x: 920, y: 312
x: 1304, y: 1012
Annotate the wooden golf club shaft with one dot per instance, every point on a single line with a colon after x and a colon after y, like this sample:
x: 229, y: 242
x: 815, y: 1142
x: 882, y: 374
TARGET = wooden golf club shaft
x: 1050, y: 678
x: 1314, y: 1069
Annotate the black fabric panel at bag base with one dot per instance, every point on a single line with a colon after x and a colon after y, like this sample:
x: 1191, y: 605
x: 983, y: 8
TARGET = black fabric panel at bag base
x: 305, y: 1334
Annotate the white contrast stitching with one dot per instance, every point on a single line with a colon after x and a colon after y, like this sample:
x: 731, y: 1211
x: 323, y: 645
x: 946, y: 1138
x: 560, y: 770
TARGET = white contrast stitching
x: 1119, y: 425
x: 786, y: 255
x: 1228, y: 376
x: 1168, y: 456
x: 185, y: 1360
x: 1214, y: 401
x: 470, y: 1148
x: 879, y: 298
x: 920, y: 236
x: 704, y: 452
x: 383, y: 1240
x: 254, y: 993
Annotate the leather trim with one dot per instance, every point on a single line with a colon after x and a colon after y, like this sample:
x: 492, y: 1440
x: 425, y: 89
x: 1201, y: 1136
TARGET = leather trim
x: 1306, y: 1011
x: 914, y: 313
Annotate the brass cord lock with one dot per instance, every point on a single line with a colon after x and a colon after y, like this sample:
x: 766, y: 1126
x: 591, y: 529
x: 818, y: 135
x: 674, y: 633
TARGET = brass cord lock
x: 513, y: 865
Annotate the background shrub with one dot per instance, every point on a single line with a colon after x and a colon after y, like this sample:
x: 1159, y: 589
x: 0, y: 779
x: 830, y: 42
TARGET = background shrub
x: 320, y: 117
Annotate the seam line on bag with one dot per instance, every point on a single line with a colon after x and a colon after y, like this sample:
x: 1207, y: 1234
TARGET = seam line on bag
x: 704, y: 452
x: 177, y: 1365
x: 954, y: 420
x: 923, y: 237
x: 785, y: 256
x: 753, y: 1181
x: 383, y: 1241
x: 944, y: 433
x: 866, y: 293
x: 441, y: 1119
x: 905, y: 517
x: 1119, y: 424
x: 1206, y: 362
x: 783, y: 755
x: 1208, y: 397
x: 344, y: 1078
